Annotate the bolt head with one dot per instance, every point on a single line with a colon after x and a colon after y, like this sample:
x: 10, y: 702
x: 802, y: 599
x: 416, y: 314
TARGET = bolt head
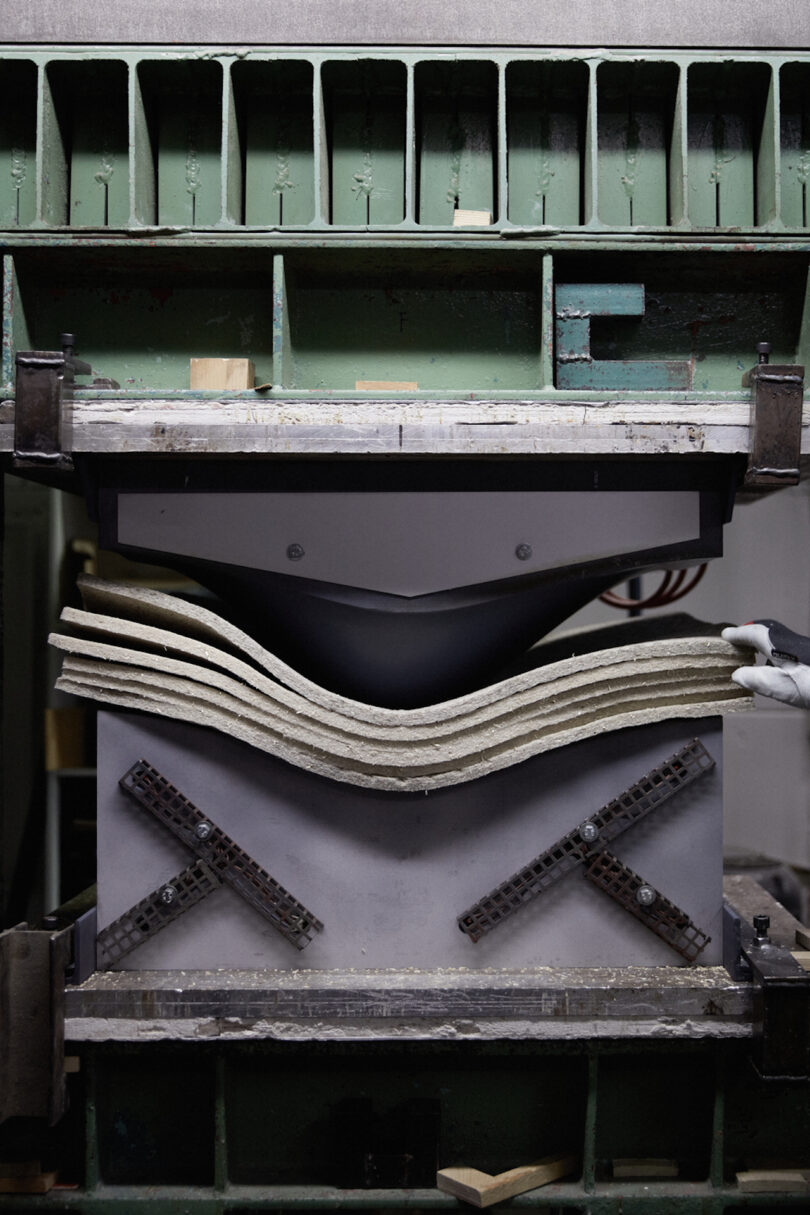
x: 645, y: 896
x: 589, y: 832
x: 202, y: 831
x: 523, y: 552
x: 761, y: 925
x: 168, y: 894
x: 295, y: 552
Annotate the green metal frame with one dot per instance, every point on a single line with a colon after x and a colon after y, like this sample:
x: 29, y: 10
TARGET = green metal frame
x: 271, y: 1126
x: 331, y: 139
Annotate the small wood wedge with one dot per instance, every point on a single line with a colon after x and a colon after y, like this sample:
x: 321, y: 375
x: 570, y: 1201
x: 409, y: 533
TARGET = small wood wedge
x: 482, y: 1189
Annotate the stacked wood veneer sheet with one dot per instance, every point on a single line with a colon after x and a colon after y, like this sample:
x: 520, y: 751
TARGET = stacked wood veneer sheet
x: 144, y: 650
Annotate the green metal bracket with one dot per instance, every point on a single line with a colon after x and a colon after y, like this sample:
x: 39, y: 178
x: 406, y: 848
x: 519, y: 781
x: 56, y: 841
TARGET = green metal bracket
x: 576, y: 305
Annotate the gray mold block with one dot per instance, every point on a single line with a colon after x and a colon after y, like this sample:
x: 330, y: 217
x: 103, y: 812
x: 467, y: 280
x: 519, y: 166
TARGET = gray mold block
x: 389, y: 873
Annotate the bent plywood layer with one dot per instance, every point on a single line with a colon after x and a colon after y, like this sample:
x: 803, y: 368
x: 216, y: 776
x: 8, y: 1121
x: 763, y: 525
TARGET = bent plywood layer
x: 145, y: 650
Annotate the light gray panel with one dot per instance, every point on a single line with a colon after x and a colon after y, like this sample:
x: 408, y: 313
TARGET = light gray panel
x: 406, y: 543
x: 389, y: 873
x: 691, y: 23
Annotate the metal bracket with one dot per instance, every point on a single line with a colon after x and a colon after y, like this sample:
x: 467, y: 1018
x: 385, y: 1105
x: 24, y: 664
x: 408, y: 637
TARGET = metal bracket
x: 781, y: 1004
x: 219, y: 860
x: 42, y: 411
x: 586, y: 845
x: 575, y: 305
x: 775, y: 425
x: 33, y: 962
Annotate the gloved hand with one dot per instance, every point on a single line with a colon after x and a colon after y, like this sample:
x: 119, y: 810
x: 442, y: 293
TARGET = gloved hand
x: 787, y: 675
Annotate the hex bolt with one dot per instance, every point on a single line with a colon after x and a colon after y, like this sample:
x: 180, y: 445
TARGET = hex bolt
x: 763, y: 352
x: 589, y: 832
x: 202, y: 831
x: 761, y: 925
x: 523, y: 552
x: 168, y: 894
x: 295, y: 552
x: 645, y: 896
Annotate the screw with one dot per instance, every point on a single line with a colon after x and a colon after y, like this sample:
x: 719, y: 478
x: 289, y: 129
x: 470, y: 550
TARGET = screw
x: 761, y: 925
x: 202, y: 831
x: 763, y: 352
x: 168, y: 894
x: 589, y: 832
x: 646, y: 896
x: 523, y: 552
x: 295, y: 552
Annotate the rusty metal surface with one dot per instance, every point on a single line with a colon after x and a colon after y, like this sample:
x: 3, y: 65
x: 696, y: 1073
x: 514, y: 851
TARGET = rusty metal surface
x: 776, y: 426
x: 582, y: 846
x: 32, y: 978
x: 228, y: 862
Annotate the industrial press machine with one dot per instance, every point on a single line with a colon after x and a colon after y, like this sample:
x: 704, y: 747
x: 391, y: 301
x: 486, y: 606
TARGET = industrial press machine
x: 521, y: 325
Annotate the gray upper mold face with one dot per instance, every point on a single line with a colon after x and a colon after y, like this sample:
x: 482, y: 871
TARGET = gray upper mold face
x: 658, y: 23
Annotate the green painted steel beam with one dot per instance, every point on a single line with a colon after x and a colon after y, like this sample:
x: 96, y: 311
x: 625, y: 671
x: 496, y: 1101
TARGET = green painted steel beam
x: 329, y: 138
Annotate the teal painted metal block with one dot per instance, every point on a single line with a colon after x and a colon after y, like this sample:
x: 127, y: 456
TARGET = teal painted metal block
x: 599, y: 299
x: 576, y: 305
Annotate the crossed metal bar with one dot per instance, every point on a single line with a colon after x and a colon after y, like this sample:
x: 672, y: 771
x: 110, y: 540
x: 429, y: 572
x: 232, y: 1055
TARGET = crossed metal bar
x: 585, y: 845
x: 219, y: 860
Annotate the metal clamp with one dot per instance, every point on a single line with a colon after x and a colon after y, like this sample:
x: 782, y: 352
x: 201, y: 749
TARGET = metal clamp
x: 775, y: 425
x: 781, y: 1004
x: 33, y: 962
x: 42, y: 412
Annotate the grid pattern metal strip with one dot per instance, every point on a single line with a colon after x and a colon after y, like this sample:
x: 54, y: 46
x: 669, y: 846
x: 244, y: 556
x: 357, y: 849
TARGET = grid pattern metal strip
x: 226, y: 859
x: 661, y: 916
x: 154, y: 912
x: 567, y: 853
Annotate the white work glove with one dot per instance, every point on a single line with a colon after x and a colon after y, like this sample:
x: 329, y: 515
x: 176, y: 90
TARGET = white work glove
x: 786, y: 677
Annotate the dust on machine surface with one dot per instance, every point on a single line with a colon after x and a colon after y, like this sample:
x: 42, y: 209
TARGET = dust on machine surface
x: 397, y: 348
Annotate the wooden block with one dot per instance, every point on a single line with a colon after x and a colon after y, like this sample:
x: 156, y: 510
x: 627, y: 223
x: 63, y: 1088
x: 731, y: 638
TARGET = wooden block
x: 64, y: 738
x: 774, y: 1181
x: 20, y: 1168
x: 41, y: 1183
x: 803, y: 937
x: 802, y: 956
x: 386, y: 385
x: 471, y: 219
x: 215, y: 375
x: 482, y: 1189
x: 653, y: 1167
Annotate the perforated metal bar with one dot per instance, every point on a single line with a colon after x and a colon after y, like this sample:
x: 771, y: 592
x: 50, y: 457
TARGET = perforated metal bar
x: 657, y: 913
x: 653, y: 789
x: 154, y: 912
x: 228, y: 861
x: 615, y: 817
